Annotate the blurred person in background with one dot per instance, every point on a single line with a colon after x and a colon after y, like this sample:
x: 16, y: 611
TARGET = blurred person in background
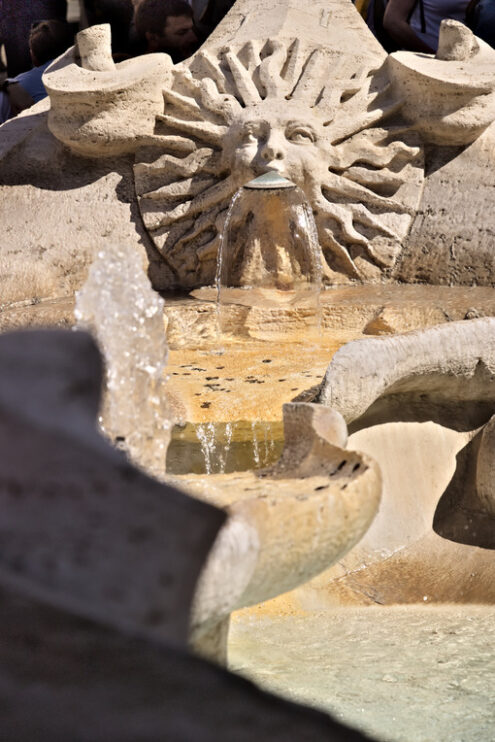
x: 119, y: 14
x: 208, y: 14
x: 480, y: 18
x: 47, y: 41
x: 165, y: 26
x: 16, y: 18
x: 414, y: 25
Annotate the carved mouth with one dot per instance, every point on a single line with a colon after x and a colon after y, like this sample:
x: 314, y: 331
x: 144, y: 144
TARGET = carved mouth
x: 275, y: 166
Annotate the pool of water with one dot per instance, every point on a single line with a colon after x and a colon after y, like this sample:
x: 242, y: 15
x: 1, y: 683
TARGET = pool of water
x: 223, y: 448
x: 401, y: 673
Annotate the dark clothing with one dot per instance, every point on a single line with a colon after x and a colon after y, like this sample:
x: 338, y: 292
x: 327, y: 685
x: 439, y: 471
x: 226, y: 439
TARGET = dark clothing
x: 483, y: 21
x: 16, y: 17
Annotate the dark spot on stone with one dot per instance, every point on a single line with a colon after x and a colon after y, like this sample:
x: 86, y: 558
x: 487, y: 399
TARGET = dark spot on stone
x: 219, y: 368
x: 31, y: 642
x: 14, y: 488
x: 231, y: 378
x: 48, y: 563
x: 343, y: 486
x: 18, y: 563
x: 186, y: 373
x: 138, y: 535
x: 294, y: 389
x: 356, y: 467
x: 100, y: 487
x: 120, y: 438
x: 205, y: 405
x: 197, y: 394
x: 282, y: 379
x: 211, y: 378
x: 128, y: 473
x: 165, y: 579
x: 175, y: 373
x: 266, y: 360
x: 154, y: 617
x: 341, y: 465
x: 321, y: 487
x: 115, y: 594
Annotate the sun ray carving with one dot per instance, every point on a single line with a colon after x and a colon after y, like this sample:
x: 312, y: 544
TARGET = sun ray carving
x: 280, y: 106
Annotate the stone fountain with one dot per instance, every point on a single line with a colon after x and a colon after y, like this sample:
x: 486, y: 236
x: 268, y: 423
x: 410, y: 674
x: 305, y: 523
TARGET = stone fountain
x: 392, y: 155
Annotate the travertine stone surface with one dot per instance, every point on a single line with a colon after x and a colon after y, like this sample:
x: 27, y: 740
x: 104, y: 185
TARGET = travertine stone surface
x: 56, y: 214
x: 432, y: 540
x: 267, y: 105
x: 460, y: 80
x: 87, y: 532
x: 65, y: 678
x: 306, y: 91
x: 287, y: 523
x: 81, y: 528
x: 99, y: 109
x: 445, y: 374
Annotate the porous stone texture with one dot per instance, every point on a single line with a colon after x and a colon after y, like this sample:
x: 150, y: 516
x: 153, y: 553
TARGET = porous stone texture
x: 82, y: 529
x: 256, y: 98
x: 87, y: 98
x: 432, y: 538
x: 451, y: 238
x: 87, y: 532
x: 286, y: 523
x: 62, y: 677
x: 445, y: 374
x: 57, y: 213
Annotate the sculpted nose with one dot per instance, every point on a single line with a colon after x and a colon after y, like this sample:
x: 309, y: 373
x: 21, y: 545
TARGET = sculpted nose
x: 272, y: 150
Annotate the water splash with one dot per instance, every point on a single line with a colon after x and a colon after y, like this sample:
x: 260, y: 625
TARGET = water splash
x: 221, y: 313
x: 206, y: 435
x: 119, y: 306
x: 269, y: 261
x: 256, y: 448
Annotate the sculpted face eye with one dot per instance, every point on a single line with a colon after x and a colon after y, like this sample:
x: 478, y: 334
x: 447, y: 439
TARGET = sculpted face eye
x: 250, y: 135
x: 300, y: 135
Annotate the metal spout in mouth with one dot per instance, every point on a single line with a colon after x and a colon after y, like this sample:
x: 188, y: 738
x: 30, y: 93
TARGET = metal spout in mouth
x: 269, y: 181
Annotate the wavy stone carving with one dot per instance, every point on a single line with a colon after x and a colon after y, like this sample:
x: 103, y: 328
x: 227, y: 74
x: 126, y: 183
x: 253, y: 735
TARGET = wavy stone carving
x: 65, y: 678
x: 100, y: 109
x: 330, y: 493
x: 445, y: 374
x: 349, y: 132
x: 268, y: 106
x: 83, y: 530
x: 433, y: 536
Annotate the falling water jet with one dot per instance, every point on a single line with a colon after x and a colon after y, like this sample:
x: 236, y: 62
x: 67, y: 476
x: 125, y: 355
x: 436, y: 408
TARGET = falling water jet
x: 119, y: 306
x: 269, y: 262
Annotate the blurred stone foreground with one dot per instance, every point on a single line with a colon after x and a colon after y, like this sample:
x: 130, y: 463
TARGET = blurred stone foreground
x: 98, y: 565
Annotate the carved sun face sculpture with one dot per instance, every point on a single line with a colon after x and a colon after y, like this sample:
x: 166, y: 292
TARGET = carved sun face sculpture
x: 277, y: 137
x: 275, y: 106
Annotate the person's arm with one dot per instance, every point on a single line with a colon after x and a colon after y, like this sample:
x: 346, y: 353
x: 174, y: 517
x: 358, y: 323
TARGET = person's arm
x: 19, y: 98
x: 396, y: 24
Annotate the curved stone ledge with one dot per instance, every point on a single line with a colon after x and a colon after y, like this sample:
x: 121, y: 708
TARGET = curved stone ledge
x: 288, y: 523
x: 445, y: 374
x: 104, y: 109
